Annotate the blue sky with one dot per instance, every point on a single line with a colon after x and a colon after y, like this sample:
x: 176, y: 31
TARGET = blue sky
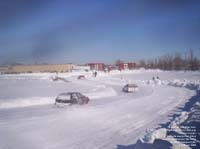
x: 81, y: 31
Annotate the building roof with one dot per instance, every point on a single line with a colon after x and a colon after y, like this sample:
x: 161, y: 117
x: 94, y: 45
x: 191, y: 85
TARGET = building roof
x: 95, y: 64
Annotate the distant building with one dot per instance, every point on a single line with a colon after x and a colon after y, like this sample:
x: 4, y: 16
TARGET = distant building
x: 3, y: 69
x: 110, y: 68
x: 96, y: 66
x: 126, y: 66
x: 39, y: 68
x: 81, y: 68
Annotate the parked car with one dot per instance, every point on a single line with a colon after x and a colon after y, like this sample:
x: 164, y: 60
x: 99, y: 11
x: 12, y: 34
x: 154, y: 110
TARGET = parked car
x: 71, y: 98
x: 81, y: 77
x: 129, y: 88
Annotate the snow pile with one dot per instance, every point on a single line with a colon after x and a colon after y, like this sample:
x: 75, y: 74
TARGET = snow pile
x: 197, y: 104
x: 56, y: 78
x: 182, y: 133
x: 160, y: 138
x: 193, y: 85
x: 180, y: 126
x: 178, y: 120
x: 189, y: 84
x: 152, y: 135
x: 149, y: 140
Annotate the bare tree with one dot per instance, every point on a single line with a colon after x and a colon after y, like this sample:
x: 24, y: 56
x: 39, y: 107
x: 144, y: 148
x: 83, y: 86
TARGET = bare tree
x: 117, y: 62
x: 142, y: 63
x: 193, y: 61
x: 173, y: 62
x: 166, y: 62
x: 177, y: 62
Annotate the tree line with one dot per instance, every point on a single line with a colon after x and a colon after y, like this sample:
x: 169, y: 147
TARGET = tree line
x: 176, y: 61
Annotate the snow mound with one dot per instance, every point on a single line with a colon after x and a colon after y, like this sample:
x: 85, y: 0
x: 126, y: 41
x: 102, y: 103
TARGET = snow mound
x: 150, y: 138
x: 158, y: 139
x: 178, y: 120
x: 193, y: 85
x: 151, y: 135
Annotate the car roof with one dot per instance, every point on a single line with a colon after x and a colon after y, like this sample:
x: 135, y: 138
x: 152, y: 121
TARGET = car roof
x: 69, y: 93
x: 132, y: 85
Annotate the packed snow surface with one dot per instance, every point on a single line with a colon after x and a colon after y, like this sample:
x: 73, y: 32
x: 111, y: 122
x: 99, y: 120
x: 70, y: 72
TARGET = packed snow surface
x: 29, y: 119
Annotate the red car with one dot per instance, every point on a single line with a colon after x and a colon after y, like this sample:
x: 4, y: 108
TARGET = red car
x: 71, y: 98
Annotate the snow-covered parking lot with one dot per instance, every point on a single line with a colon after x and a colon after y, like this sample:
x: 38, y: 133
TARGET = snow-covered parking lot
x: 29, y: 119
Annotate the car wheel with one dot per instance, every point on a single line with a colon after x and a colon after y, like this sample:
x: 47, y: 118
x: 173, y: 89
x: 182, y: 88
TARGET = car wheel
x: 87, y: 101
x: 79, y: 101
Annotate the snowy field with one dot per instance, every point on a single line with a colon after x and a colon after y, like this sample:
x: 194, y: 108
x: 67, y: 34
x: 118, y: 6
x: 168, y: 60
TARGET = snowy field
x: 111, y: 120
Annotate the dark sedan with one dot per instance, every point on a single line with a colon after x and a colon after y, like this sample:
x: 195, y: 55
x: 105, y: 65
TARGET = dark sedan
x: 71, y: 98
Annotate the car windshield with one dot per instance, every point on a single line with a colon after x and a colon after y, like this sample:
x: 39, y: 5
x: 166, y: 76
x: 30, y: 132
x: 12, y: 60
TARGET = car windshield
x: 64, y: 96
x: 79, y: 95
x: 132, y: 85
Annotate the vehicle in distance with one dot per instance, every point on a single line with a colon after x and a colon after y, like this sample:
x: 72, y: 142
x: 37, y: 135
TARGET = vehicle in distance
x: 129, y: 88
x: 80, y: 77
x: 71, y: 98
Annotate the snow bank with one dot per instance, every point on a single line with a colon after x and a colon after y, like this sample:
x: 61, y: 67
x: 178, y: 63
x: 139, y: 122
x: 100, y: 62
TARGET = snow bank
x: 158, y: 139
x: 25, y: 102
x: 32, y: 76
x: 189, y: 84
x: 149, y: 139
x: 193, y: 85
x: 43, y: 76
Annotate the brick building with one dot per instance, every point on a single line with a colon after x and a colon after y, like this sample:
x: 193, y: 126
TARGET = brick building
x: 96, y: 66
x: 126, y: 66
